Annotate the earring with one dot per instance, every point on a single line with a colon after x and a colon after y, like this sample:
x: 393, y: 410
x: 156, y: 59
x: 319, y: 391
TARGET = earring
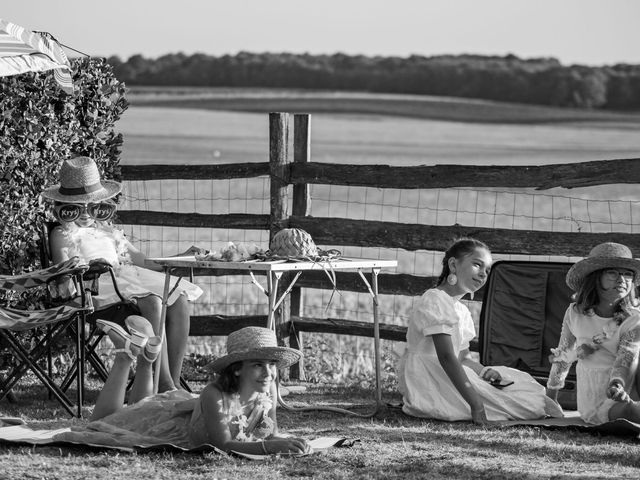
x: 452, y: 279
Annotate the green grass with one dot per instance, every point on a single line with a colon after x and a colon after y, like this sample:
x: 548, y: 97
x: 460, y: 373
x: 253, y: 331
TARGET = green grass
x: 392, y: 445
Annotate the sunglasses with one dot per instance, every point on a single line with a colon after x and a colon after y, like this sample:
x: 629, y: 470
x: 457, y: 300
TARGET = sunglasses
x: 70, y: 212
x: 613, y: 274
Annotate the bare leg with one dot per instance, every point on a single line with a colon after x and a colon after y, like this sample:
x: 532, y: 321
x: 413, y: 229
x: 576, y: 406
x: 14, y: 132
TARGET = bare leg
x: 111, y: 398
x: 177, y: 328
x: 143, y: 381
x: 151, y: 308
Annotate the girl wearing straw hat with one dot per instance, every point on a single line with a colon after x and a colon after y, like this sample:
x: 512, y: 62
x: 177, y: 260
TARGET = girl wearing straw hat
x: 84, y: 206
x: 601, y: 331
x: 235, y: 411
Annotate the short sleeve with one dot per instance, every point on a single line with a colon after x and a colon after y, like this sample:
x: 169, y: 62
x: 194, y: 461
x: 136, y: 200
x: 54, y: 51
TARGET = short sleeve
x: 467, y: 328
x: 436, y: 313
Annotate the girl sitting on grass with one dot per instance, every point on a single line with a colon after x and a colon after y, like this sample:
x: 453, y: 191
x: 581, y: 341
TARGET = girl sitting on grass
x: 437, y: 376
x: 236, y: 411
x: 601, y: 331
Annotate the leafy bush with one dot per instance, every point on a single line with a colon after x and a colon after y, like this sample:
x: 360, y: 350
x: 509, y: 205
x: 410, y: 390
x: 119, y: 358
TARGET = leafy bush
x: 40, y: 126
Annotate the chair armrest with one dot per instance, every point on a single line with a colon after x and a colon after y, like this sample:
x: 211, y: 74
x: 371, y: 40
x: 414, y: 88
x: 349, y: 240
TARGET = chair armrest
x: 43, y: 276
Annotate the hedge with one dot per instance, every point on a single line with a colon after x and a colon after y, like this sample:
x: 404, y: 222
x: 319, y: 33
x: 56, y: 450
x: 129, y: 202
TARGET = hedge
x: 40, y: 126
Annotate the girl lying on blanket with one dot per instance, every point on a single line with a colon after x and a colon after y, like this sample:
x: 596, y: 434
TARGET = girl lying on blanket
x: 437, y: 376
x: 601, y: 331
x: 236, y: 411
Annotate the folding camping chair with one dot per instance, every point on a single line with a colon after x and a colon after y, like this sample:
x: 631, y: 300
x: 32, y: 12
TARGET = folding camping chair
x: 115, y: 312
x: 68, y: 304
x: 521, y: 319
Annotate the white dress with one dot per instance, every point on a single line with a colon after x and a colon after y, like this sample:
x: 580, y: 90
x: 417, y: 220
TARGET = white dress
x: 604, y: 350
x: 110, y: 244
x: 427, y: 390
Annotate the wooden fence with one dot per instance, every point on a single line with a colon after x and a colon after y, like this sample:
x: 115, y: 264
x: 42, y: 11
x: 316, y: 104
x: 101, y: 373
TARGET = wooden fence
x: 302, y: 172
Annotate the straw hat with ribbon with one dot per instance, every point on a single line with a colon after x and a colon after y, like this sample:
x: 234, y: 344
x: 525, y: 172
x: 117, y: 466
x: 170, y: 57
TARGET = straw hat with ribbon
x: 603, y: 256
x: 255, y: 343
x: 80, y: 183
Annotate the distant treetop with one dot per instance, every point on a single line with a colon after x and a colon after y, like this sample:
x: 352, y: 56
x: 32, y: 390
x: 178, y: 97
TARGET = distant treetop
x: 541, y: 81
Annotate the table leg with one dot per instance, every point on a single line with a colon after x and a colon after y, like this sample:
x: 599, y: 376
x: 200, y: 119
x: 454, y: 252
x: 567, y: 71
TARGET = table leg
x: 376, y: 335
x: 373, y: 291
x: 273, y: 279
x: 163, y: 318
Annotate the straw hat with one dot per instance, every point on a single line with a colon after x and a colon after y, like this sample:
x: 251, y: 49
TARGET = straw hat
x: 605, y: 255
x: 80, y: 183
x: 293, y: 242
x: 255, y: 343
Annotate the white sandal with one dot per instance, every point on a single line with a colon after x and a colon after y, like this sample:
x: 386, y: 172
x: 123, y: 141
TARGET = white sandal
x: 152, y: 349
x: 136, y: 338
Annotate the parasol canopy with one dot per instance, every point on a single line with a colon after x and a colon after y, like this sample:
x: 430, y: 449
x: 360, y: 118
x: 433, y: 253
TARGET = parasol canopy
x: 22, y: 51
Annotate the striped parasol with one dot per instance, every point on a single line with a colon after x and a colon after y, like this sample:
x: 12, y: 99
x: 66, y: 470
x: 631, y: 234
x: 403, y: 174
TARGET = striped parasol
x: 22, y: 50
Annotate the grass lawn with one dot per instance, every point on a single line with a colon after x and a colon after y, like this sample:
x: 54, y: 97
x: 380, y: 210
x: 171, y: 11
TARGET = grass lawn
x: 392, y: 445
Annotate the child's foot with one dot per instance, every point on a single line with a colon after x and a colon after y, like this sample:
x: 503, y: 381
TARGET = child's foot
x: 140, y: 326
x: 123, y: 342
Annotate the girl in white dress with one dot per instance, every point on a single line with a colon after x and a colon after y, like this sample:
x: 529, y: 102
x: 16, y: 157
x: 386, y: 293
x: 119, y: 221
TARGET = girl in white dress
x: 437, y: 376
x: 601, y: 331
x: 83, y: 205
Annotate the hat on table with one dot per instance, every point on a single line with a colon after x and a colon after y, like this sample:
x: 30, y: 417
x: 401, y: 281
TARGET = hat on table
x: 255, y: 343
x: 605, y: 255
x: 80, y: 183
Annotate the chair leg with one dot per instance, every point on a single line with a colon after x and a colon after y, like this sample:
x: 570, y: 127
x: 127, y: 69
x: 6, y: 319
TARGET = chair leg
x: 80, y: 362
x: 24, y: 356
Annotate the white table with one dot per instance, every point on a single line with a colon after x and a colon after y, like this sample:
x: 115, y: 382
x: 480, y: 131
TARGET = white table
x: 273, y: 270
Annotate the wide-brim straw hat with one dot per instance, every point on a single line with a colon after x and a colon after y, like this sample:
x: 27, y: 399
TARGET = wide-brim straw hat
x: 255, y: 343
x: 80, y: 183
x: 603, y: 256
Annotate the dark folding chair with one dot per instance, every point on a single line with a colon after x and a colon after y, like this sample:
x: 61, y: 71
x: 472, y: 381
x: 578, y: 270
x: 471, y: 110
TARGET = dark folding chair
x: 68, y: 303
x: 116, y: 312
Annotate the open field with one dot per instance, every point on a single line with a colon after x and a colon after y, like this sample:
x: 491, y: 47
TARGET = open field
x: 392, y: 446
x: 195, y: 128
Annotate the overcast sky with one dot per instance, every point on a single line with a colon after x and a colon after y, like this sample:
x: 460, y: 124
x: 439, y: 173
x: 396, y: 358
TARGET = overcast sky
x: 591, y: 32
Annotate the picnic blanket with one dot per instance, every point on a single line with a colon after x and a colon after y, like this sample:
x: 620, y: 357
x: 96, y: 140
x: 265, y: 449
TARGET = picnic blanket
x: 572, y: 419
x: 15, y: 431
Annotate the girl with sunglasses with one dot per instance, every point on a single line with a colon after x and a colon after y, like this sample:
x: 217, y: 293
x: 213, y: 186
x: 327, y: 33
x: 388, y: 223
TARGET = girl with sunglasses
x: 84, y: 206
x: 601, y: 331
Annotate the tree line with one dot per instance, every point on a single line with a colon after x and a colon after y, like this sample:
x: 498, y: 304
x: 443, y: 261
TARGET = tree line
x: 541, y: 81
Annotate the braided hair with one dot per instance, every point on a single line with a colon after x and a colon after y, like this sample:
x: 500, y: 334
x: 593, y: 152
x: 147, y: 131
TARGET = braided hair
x: 459, y: 249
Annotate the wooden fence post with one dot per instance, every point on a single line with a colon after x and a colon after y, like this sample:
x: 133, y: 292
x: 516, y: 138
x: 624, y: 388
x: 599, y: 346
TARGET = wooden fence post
x: 300, y: 206
x: 279, y: 182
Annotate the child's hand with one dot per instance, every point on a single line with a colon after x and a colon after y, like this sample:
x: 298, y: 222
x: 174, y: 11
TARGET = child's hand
x: 192, y: 250
x: 616, y: 391
x: 491, y: 375
x: 287, y: 445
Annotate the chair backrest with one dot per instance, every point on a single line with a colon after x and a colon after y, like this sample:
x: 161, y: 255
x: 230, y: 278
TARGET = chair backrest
x: 116, y: 312
x: 522, y: 313
x: 45, y: 248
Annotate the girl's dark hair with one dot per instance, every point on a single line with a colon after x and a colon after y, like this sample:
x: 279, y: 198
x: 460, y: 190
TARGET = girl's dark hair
x: 459, y: 249
x: 227, y: 381
x: 587, y: 298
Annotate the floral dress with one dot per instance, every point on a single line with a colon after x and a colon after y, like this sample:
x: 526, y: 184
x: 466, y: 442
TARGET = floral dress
x: 109, y: 243
x: 174, y: 418
x: 605, y: 349
x: 427, y: 390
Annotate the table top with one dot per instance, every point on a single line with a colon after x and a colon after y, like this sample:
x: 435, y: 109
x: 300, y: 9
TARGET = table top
x: 275, y: 265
